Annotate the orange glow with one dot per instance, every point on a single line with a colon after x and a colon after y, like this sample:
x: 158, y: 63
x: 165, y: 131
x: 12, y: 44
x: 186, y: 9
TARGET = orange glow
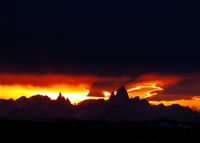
x: 161, y: 80
x: 76, y: 88
x: 106, y: 93
x: 141, y: 91
x: 74, y: 94
x: 71, y: 86
x: 152, y: 89
x: 53, y: 79
x: 192, y: 103
x: 150, y: 84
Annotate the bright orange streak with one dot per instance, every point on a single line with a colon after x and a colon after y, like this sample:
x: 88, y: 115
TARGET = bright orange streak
x: 148, y: 93
x: 106, y: 93
x: 151, y: 90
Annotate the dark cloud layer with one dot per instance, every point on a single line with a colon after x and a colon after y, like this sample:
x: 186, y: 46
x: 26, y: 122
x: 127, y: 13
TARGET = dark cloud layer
x: 102, y: 39
x: 115, y: 39
x: 102, y: 43
x: 185, y: 89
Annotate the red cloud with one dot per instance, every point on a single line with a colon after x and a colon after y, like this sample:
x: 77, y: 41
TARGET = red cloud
x: 53, y: 79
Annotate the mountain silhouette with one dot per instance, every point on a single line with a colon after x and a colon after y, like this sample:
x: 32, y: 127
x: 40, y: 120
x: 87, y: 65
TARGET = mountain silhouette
x: 120, y: 97
x: 37, y: 107
x: 122, y: 94
x: 118, y: 108
x: 60, y: 98
x: 62, y: 101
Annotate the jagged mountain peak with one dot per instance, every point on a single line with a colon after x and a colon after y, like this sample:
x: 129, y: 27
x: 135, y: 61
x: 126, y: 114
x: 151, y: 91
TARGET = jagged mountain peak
x: 60, y: 97
x: 122, y: 93
x: 121, y: 96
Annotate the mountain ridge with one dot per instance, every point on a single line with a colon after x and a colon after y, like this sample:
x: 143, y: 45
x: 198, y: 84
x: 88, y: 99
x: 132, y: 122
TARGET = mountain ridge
x: 119, y: 107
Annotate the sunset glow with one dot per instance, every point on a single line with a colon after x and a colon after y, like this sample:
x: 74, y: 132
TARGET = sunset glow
x: 151, y: 92
x: 74, y: 94
x: 16, y: 91
x: 90, y: 65
x: 74, y: 97
x: 192, y: 103
x: 77, y: 88
x: 106, y: 93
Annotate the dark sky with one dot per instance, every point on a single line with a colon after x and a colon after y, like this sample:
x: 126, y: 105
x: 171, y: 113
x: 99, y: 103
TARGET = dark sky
x: 112, y: 38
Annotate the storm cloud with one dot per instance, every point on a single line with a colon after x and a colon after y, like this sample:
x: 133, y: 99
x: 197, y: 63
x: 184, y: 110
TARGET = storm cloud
x: 114, y: 39
x: 102, y: 46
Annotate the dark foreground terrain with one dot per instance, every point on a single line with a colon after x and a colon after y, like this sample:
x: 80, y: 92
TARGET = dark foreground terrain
x: 119, y: 108
x: 119, y: 119
x: 63, y: 131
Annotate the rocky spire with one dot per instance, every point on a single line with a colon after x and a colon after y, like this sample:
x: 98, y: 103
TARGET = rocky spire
x: 60, y: 98
x: 120, y: 97
x: 112, y: 97
x: 122, y: 94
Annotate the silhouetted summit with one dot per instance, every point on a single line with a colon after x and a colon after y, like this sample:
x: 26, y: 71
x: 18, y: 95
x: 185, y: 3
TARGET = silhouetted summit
x: 39, y: 99
x: 121, y: 96
x: 61, y: 101
x: 60, y: 98
x: 112, y: 97
x: 118, y: 108
x: 22, y: 99
x: 37, y: 107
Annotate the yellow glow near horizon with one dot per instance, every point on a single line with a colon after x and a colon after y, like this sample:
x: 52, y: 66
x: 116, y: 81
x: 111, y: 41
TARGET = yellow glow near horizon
x: 192, y: 103
x: 106, y: 93
x: 73, y: 96
x: 79, y: 93
x: 16, y: 91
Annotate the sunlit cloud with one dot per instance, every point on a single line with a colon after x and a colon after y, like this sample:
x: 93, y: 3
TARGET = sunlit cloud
x: 156, y: 88
x: 75, y: 88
